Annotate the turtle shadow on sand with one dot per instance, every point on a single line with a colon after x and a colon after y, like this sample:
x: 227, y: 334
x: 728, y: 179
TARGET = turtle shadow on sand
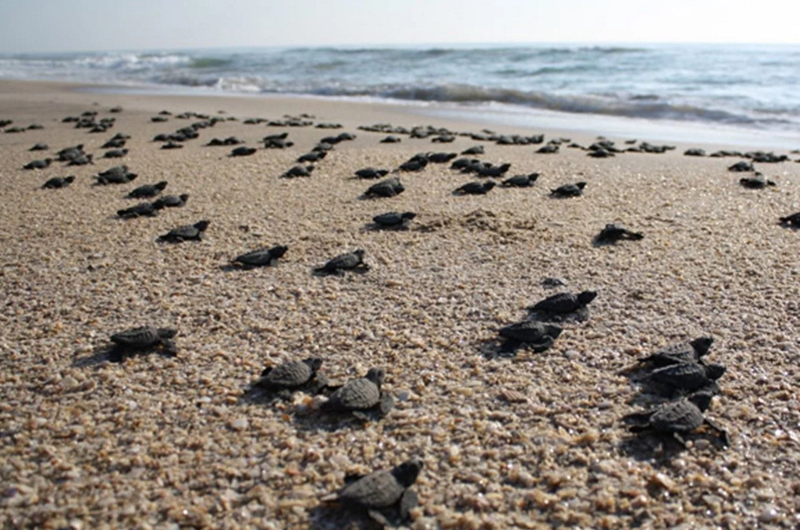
x: 111, y: 354
x: 661, y: 448
x: 326, y: 517
x: 501, y: 348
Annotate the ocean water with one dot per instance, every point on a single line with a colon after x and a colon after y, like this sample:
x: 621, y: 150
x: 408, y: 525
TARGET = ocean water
x: 749, y: 87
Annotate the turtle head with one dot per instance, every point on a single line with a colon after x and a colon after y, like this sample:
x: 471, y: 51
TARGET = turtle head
x: 407, y: 216
x: 702, y: 400
x: 132, y: 176
x: 489, y: 185
x: 505, y: 167
x: 715, y: 371
x: 279, y: 251
x: 552, y: 330
x: 314, y: 363
x: 586, y: 297
x: 184, y: 197
x: 360, y: 253
x: 161, y: 185
x: 167, y: 333
x: 202, y: 225
x: 407, y: 472
x: 532, y: 177
x: 69, y: 178
x: 376, y: 375
x: 701, y: 345
x: 580, y: 185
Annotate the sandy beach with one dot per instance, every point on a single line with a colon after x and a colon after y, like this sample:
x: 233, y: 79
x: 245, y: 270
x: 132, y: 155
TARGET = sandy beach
x: 529, y: 441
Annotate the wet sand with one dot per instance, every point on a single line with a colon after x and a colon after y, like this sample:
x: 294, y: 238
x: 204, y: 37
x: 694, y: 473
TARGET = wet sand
x: 533, y: 441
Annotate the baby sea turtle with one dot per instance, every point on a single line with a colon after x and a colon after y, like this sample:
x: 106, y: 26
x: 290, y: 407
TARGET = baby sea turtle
x: 38, y: 164
x: 142, y: 340
x: 339, y: 264
x: 58, y: 182
x: 548, y: 149
x: 694, y: 152
x: 685, y: 377
x: 386, y: 495
x: 262, y: 257
x: 293, y: 376
x: 114, y: 143
x: 115, y: 153
x: 361, y: 396
x: 313, y: 156
x: 143, y: 209
x: 386, y: 188
x: 82, y: 160
x: 614, y: 232
x: 298, y: 171
x: 148, y: 190
x: 371, y: 173
x: 440, y: 158
x: 415, y: 164
x: 568, y: 190
x: 563, y: 305
x: 172, y: 145
x: 740, y: 167
x: 243, y: 151
x: 390, y: 140
x: 539, y: 336
x: 756, y: 182
x: 115, y: 175
x: 68, y: 153
x: 520, y: 181
x: 683, y: 352
x: 677, y: 418
x: 791, y: 220
x: 489, y: 170
x: 185, y: 233
x: 172, y: 201
x: 475, y: 188
x: 475, y: 150
x: 394, y: 220
x: 39, y: 147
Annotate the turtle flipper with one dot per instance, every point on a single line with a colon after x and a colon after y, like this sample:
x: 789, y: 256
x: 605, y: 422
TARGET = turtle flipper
x: 726, y: 439
x: 386, y: 405
x: 408, y: 502
x: 542, y: 346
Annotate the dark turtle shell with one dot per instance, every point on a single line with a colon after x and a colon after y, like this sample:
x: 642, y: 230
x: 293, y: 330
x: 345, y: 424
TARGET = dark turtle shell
x: 142, y: 337
x: 569, y: 190
x: 679, y: 416
x: 358, y: 394
x: 381, y: 489
x: 682, y: 352
x: 531, y: 331
x: 390, y: 219
x: 186, y: 232
x: 687, y: 376
x: 563, y: 303
x: 262, y: 256
x: 347, y: 261
x: 290, y: 374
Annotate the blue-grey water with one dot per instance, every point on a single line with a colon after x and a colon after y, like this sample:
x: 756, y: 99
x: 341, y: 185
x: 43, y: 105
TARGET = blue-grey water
x: 746, y: 86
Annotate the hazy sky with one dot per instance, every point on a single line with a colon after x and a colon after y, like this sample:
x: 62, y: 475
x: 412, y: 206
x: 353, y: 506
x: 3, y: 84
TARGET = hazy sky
x: 84, y: 25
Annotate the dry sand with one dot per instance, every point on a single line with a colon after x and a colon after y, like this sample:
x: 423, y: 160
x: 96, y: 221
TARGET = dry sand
x: 533, y: 441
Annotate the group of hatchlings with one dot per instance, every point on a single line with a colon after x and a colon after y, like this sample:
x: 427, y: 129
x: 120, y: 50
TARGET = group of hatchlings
x: 678, y: 371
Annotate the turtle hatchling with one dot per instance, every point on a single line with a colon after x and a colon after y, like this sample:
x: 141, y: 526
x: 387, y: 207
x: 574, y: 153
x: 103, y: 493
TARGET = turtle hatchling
x: 568, y: 190
x: 371, y: 173
x: 143, y: 209
x: 148, y: 190
x: 563, y: 305
x: 172, y: 201
x: 185, y: 233
x: 520, y: 181
x: 386, y: 188
x: 394, y: 220
x: 361, y: 396
x: 538, y: 335
x: 386, y: 495
x: 614, y: 232
x: 791, y: 220
x: 475, y: 188
x: 142, y: 340
x: 58, y: 182
x: 293, y: 376
x: 756, y: 182
x: 685, y: 377
x: 262, y: 257
x: 350, y: 261
x: 243, y: 151
x: 677, y: 418
x: 683, y: 352
x: 38, y: 164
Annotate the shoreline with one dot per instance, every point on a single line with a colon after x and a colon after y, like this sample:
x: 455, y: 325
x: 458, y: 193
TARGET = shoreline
x: 512, y: 117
